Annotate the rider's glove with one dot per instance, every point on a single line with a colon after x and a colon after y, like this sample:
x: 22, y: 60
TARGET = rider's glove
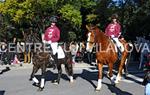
x: 112, y: 36
x: 49, y: 42
x: 44, y: 41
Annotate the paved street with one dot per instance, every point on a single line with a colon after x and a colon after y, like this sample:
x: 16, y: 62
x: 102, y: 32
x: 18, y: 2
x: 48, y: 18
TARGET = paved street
x: 15, y: 82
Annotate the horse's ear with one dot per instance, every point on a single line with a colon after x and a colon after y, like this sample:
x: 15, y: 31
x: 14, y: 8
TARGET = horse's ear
x: 87, y: 27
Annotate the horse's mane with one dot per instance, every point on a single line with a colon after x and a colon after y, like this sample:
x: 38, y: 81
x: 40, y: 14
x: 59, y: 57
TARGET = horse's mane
x: 100, y: 37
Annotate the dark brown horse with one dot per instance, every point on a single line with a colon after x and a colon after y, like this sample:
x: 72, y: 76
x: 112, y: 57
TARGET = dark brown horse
x: 41, y: 60
x: 106, y: 53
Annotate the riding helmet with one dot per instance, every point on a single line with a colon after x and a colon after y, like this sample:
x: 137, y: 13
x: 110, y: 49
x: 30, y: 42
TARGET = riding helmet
x: 53, y: 19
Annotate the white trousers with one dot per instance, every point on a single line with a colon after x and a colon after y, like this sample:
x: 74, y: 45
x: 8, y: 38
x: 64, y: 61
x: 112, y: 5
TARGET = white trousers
x: 54, y: 47
x: 57, y: 49
x: 118, y: 44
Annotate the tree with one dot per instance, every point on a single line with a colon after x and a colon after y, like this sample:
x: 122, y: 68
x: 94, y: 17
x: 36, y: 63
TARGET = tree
x: 73, y: 15
x: 23, y: 14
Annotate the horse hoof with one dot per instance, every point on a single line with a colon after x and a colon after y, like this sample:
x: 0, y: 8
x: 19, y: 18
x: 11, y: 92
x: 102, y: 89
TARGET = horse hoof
x: 97, y: 89
x: 30, y: 79
x: 40, y: 89
x: 116, y: 82
x: 36, y: 84
x: 55, y: 82
x: 71, y: 82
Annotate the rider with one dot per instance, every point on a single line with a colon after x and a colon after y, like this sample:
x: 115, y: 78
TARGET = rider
x: 52, y: 36
x: 113, y: 30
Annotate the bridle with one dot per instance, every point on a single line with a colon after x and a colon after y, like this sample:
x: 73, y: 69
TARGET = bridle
x: 94, y: 36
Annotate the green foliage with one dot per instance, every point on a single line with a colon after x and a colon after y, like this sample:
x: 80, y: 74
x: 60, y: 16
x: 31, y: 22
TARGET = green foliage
x: 72, y: 36
x: 71, y: 14
x: 88, y: 3
x: 16, y: 10
x: 22, y: 14
x: 91, y: 17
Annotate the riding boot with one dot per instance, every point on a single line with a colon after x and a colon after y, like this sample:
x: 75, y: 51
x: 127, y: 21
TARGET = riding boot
x: 55, y: 61
x: 119, y: 53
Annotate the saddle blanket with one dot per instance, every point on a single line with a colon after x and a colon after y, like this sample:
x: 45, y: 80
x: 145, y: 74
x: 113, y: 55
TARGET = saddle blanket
x: 60, y: 53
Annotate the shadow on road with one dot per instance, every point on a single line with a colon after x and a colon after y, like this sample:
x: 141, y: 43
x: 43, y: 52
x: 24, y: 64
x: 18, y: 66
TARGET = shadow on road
x: 88, y: 76
x: 92, y: 76
x: 2, y: 92
x: 116, y: 90
x: 50, y: 76
x: 5, y: 70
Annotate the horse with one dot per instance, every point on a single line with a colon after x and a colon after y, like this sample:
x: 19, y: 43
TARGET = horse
x: 106, y: 53
x: 41, y: 60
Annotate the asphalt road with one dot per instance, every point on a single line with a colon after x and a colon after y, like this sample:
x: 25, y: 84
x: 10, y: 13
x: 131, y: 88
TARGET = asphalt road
x: 15, y: 82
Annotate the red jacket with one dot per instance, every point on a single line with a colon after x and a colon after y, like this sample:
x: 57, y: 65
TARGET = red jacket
x: 113, y: 29
x: 52, y: 34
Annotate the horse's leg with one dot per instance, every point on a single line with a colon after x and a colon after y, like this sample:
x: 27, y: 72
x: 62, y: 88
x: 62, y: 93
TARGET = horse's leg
x: 32, y: 77
x: 59, y: 72
x: 100, y: 69
x: 125, y: 67
x: 69, y: 70
x: 122, y: 63
x: 34, y: 70
x: 126, y: 64
x: 110, y: 66
x: 43, y: 69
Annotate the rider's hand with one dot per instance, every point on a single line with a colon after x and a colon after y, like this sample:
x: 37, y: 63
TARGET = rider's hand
x: 43, y: 41
x: 42, y: 36
x: 112, y: 36
x: 119, y: 34
x: 49, y: 42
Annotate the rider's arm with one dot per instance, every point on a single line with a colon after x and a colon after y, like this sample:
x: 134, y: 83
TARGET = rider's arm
x: 42, y: 36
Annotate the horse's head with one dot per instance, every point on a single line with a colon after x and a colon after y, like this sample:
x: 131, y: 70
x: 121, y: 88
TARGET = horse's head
x: 90, y: 37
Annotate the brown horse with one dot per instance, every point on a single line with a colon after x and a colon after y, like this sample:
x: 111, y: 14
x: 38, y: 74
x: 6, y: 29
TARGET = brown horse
x: 106, y: 53
x: 41, y: 60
